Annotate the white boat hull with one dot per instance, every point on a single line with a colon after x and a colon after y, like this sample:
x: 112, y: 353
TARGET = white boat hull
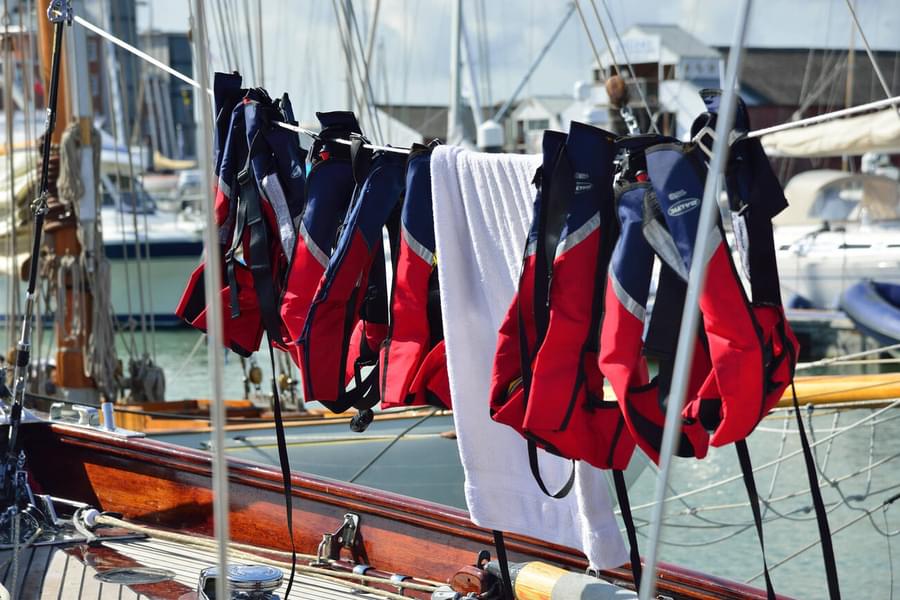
x: 819, y: 265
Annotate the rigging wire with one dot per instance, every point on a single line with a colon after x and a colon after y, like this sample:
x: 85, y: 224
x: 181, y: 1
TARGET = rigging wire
x: 766, y: 465
x: 361, y: 70
x: 816, y: 541
x: 829, y: 116
x: 640, y: 88
x: 139, y: 259
x: 111, y: 72
x: 845, y: 357
x: 862, y: 34
x: 12, y: 291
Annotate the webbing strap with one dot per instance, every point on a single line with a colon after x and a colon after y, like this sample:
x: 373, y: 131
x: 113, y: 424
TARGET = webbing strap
x: 834, y: 588
x: 500, y: 547
x: 551, y: 221
x: 747, y: 472
x: 631, y: 532
x: 536, y: 473
x: 285, y: 467
x: 665, y: 321
x: 230, y: 260
x: 260, y: 258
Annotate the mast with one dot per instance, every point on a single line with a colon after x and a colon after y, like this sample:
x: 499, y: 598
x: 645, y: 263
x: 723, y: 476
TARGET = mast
x: 454, y: 117
x: 61, y: 222
x: 213, y: 283
x: 9, y: 109
x: 260, y: 69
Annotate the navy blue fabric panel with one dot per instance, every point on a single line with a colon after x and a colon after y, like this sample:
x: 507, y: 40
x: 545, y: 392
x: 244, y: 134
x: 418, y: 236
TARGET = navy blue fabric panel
x: 590, y: 152
x: 339, y: 120
x: 234, y: 153
x: 258, y: 114
x: 330, y: 187
x: 380, y: 193
x: 679, y: 191
x: 552, y: 143
x: 632, y: 258
x: 226, y: 93
x: 417, y: 215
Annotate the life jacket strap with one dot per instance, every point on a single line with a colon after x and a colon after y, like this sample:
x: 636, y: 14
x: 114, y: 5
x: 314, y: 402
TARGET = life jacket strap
x: 750, y: 483
x: 536, y: 473
x: 831, y: 576
x: 260, y: 259
x: 284, y: 462
x: 503, y: 560
x: 628, y: 520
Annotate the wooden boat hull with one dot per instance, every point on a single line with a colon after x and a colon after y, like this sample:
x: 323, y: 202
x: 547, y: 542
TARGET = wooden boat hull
x: 169, y: 487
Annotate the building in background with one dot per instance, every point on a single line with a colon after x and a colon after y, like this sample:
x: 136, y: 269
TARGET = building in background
x: 167, y: 106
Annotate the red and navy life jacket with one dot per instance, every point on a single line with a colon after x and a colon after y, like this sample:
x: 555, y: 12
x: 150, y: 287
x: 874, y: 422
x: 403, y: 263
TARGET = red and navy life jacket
x: 259, y: 192
x: 347, y: 321
x: 517, y: 337
x: 750, y: 346
x: 329, y: 188
x: 413, y: 360
x: 623, y: 351
x: 561, y: 402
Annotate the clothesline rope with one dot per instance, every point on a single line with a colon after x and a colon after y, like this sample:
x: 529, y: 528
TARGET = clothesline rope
x: 838, y: 114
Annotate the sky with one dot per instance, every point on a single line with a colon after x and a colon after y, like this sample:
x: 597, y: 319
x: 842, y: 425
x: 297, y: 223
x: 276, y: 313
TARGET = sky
x: 303, y: 53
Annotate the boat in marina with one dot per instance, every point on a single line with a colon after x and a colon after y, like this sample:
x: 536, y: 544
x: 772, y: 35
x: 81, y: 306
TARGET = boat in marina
x: 838, y: 229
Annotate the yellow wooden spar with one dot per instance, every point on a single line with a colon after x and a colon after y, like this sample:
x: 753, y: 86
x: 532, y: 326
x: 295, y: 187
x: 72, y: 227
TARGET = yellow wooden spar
x: 836, y: 389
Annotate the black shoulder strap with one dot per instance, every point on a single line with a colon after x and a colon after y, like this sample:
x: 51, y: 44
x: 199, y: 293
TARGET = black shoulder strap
x: 625, y: 507
x: 554, y: 209
x: 230, y: 259
x: 665, y: 322
x: 285, y: 467
x: 747, y: 472
x: 259, y: 260
x: 503, y: 560
x: 536, y: 473
x: 834, y: 588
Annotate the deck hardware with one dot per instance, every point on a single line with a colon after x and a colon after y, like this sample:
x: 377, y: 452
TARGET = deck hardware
x: 361, y: 569
x: 87, y: 415
x: 345, y: 536
x: 397, y: 579
x: 248, y: 582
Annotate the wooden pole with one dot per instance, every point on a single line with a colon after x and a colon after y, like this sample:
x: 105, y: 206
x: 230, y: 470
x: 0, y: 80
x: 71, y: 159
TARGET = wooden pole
x: 61, y: 225
x: 45, y: 50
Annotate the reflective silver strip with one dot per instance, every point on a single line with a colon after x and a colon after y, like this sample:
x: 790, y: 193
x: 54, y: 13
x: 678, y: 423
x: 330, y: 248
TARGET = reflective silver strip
x: 226, y: 228
x: 658, y: 237
x: 224, y: 188
x: 531, y: 248
x: 715, y: 238
x: 419, y: 250
x: 275, y: 195
x: 312, y: 246
x: 630, y: 304
x: 579, y: 235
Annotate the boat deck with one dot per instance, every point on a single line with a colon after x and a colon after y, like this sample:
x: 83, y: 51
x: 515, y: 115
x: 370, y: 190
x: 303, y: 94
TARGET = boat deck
x: 132, y: 569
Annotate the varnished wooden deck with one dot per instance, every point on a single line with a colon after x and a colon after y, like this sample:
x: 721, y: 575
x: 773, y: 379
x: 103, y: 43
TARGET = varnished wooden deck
x: 70, y: 572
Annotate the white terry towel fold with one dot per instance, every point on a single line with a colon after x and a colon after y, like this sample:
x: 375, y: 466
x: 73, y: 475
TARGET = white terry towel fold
x: 483, y: 206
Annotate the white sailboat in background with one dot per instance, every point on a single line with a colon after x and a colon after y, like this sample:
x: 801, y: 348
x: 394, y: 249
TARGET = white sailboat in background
x: 135, y: 225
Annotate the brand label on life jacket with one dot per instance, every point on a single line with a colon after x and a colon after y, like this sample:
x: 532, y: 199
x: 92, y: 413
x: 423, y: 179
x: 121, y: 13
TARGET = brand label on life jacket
x: 582, y: 182
x: 683, y: 206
